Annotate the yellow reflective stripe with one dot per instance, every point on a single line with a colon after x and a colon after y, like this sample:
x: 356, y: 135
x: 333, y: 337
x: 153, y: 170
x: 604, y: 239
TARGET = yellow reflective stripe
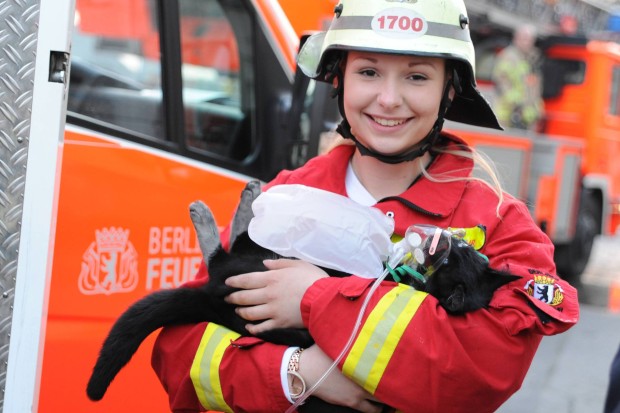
x: 205, y: 367
x: 380, y: 335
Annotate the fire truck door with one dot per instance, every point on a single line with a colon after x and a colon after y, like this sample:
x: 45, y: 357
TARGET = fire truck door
x: 35, y: 68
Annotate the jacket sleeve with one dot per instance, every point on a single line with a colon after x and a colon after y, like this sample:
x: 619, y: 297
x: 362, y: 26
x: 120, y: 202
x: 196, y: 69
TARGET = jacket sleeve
x: 206, y: 367
x: 415, y: 357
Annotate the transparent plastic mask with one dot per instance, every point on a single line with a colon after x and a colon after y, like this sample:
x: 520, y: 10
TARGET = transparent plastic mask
x: 427, y: 248
x: 332, y: 231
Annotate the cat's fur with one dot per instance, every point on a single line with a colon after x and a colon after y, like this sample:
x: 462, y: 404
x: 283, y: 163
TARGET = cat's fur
x: 464, y: 283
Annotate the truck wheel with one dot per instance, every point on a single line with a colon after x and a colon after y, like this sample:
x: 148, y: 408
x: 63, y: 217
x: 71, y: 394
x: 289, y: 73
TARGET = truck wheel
x: 571, y: 259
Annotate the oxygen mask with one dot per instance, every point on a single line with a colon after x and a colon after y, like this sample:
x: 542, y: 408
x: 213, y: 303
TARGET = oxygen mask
x: 423, y: 249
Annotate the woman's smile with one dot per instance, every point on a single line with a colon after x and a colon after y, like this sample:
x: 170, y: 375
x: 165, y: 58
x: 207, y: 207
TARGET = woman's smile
x: 388, y: 122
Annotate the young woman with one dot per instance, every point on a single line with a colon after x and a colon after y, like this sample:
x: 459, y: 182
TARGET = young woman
x: 399, y: 69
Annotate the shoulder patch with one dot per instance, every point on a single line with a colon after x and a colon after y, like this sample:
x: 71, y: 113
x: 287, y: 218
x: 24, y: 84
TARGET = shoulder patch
x: 545, y: 289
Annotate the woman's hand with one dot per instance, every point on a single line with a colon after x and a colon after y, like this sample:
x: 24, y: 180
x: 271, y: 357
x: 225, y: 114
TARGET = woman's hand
x: 336, y: 388
x: 274, y: 295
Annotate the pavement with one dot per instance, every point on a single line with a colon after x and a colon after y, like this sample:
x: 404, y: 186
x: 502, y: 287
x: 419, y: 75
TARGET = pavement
x: 570, y: 372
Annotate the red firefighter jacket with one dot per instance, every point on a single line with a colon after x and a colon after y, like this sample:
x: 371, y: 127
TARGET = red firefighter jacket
x: 408, y: 352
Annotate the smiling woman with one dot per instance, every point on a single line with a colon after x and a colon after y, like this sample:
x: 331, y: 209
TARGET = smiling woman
x: 398, y: 69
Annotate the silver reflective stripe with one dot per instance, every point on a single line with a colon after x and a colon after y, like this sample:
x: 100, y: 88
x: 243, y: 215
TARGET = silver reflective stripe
x: 380, y: 336
x: 204, y: 371
x: 447, y: 31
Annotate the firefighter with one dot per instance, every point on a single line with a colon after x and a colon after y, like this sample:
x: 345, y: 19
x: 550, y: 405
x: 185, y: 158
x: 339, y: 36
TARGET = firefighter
x: 518, y: 85
x: 398, y: 68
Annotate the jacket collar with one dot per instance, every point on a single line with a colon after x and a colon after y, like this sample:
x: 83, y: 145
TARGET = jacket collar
x: 439, y: 199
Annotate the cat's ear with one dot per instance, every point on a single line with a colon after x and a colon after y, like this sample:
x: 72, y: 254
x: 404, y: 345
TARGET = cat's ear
x: 495, y: 279
x: 455, y: 303
x: 206, y: 228
x: 243, y: 214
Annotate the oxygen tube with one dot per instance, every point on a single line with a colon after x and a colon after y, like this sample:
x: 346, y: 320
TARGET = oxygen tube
x: 401, y: 250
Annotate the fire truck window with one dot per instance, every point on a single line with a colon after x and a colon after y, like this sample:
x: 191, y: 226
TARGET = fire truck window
x: 214, y: 116
x: 559, y: 73
x: 115, y: 68
x: 614, y: 104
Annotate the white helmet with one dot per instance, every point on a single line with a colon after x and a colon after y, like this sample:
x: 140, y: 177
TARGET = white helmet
x: 416, y: 27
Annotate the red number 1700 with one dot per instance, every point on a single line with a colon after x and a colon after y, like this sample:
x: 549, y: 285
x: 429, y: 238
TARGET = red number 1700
x: 404, y: 23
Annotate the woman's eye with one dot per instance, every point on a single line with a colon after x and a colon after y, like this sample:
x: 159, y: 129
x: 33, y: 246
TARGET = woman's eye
x: 418, y: 77
x: 367, y: 72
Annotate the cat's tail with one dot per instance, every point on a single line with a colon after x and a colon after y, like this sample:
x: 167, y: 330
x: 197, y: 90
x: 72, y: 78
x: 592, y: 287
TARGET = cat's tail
x: 165, y: 307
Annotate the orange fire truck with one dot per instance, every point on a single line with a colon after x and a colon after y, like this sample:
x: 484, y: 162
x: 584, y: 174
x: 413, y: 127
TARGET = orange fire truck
x: 173, y: 101
x: 567, y: 173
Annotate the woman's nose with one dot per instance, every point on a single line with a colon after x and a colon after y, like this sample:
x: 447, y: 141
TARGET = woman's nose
x: 389, y: 94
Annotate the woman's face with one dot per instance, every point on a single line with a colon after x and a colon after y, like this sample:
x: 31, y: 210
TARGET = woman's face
x: 392, y: 101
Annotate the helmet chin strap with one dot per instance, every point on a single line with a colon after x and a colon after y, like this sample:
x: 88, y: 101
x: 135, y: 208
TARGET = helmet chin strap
x: 344, y: 129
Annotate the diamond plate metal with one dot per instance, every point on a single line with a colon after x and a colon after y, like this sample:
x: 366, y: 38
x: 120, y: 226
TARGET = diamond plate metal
x: 18, y: 39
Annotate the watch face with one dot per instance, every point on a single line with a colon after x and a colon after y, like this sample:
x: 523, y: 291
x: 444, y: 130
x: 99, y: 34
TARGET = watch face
x: 296, y: 385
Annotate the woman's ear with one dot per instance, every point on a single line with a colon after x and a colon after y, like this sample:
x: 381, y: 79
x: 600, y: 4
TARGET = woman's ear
x: 452, y: 93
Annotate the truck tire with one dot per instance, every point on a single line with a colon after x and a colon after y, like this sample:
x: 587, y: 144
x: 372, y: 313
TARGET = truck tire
x: 571, y: 258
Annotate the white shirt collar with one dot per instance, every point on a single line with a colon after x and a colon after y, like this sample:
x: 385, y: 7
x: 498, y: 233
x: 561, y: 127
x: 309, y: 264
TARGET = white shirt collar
x: 355, y: 189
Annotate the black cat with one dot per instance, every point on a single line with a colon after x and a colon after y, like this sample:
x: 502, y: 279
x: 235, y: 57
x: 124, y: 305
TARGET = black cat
x: 464, y: 283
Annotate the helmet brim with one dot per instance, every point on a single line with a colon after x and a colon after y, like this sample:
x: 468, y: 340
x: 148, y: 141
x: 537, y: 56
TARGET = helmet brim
x: 472, y: 108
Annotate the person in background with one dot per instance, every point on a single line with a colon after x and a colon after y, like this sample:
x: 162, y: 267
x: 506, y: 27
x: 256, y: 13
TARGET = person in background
x: 398, y: 70
x: 612, y: 401
x: 518, y: 84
